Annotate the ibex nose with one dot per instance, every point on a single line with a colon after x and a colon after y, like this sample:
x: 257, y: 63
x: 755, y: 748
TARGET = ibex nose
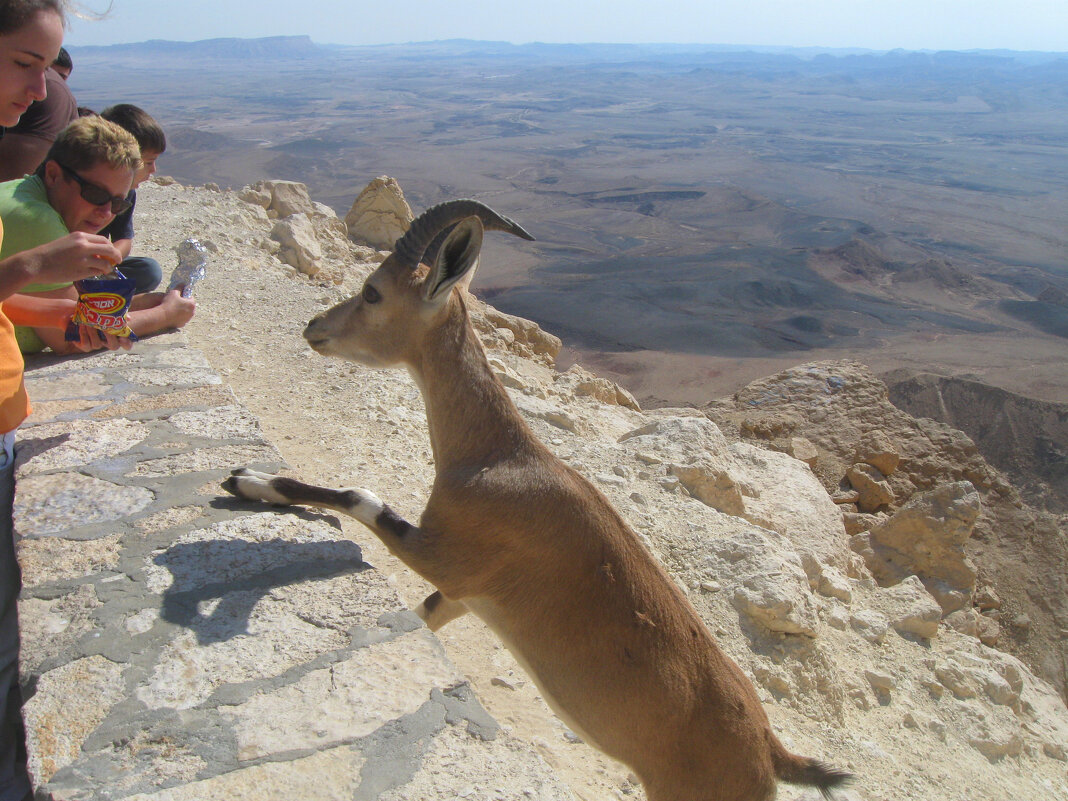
x: 313, y: 332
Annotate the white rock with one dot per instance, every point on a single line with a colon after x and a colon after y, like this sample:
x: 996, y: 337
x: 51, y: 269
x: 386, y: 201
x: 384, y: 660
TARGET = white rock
x: 379, y: 214
x: 300, y: 246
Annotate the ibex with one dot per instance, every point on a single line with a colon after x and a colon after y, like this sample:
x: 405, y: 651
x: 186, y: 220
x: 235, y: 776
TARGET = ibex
x: 516, y: 536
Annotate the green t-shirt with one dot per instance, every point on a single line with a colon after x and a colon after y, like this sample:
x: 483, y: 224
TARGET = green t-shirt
x: 29, y: 221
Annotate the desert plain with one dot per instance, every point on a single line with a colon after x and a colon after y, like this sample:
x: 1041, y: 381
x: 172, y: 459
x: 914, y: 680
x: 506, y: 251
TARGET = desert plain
x: 704, y: 215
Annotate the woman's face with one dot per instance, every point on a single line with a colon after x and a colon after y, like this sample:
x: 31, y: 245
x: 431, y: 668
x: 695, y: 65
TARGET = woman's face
x: 25, y: 54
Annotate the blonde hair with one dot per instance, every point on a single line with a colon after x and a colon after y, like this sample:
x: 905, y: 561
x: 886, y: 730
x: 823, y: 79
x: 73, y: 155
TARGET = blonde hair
x: 90, y: 141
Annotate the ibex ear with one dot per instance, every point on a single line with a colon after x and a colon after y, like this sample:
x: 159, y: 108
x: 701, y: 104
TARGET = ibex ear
x: 457, y: 259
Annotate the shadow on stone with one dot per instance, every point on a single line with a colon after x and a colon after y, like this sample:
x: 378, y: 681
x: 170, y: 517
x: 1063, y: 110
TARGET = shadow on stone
x: 29, y: 448
x: 217, y: 583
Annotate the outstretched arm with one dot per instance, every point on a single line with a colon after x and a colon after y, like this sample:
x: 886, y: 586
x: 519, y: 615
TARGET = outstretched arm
x: 66, y: 259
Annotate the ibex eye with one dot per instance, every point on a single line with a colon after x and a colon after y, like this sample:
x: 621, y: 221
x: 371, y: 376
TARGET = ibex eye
x: 370, y: 294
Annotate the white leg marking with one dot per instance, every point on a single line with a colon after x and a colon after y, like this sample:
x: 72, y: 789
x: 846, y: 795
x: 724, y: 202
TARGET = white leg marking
x: 366, y: 507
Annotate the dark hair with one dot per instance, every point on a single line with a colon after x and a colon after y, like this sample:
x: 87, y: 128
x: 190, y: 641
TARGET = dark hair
x: 16, y: 13
x: 149, y: 136
x: 63, y: 59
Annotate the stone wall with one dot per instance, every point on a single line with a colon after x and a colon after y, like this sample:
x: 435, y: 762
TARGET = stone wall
x: 179, y: 644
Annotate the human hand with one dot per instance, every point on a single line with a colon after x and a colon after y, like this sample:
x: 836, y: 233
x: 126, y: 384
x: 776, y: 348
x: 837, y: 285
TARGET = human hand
x: 178, y: 310
x: 77, y: 255
x: 90, y: 339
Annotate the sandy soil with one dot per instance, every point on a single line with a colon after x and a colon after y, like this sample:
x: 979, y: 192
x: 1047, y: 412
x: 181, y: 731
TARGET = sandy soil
x: 1028, y: 365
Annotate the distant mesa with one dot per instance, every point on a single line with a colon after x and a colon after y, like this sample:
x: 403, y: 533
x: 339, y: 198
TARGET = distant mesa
x: 940, y: 273
x: 1054, y: 295
x: 271, y: 47
x: 858, y: 257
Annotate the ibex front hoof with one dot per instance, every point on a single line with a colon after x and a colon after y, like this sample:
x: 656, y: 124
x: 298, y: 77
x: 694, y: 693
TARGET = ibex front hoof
x: 252, y: 485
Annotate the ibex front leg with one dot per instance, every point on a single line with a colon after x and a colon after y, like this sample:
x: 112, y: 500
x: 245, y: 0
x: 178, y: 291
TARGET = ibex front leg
x: 407, y: 542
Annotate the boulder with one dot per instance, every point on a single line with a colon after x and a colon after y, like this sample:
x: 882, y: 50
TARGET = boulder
x: 912, y: 609
x: 803, y: 450
x: 525, y: 337
x: 870, y: 483
x: 876, y: 449
x: 289, y: 197
x: 380, y: 214
x: 926, y: 538
x: 769, y: 584
x: 256, y: 195
x: 767, y: 488
x: 300, y: 247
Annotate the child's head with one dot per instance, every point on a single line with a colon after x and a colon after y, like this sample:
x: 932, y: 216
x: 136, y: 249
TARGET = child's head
x: 63, y: 64
x: 88, y: 172
x: 149, y: 135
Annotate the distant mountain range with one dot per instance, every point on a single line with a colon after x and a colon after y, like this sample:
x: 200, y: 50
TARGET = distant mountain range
x: 284, y: 47
x: 301, y: 47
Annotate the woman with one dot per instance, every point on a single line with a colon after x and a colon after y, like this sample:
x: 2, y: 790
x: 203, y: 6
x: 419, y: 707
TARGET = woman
x: 31, y: 33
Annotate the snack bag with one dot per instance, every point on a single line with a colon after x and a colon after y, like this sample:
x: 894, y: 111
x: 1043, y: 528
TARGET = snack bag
x: 103, y: 301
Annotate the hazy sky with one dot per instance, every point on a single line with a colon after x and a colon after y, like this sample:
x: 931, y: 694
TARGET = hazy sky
x: 875, y: 24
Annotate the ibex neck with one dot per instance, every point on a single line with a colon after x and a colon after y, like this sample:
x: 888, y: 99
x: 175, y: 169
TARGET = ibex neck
x: 472, y: 420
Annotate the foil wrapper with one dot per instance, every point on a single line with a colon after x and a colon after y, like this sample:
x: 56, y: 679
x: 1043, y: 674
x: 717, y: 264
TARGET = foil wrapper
x: 192, y: 265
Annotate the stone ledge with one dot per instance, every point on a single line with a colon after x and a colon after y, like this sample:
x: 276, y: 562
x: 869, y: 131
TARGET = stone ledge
x: 181, y: 644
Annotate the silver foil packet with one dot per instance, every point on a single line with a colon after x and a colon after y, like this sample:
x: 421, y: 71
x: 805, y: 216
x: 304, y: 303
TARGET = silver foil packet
x: 192, y: 264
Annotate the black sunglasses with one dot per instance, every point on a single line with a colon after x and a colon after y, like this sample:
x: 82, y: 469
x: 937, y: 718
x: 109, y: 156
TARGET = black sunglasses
x: 97, y: 195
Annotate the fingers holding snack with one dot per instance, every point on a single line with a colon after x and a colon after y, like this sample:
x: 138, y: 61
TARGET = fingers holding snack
x: 75, y: 256
x: 103, y: 303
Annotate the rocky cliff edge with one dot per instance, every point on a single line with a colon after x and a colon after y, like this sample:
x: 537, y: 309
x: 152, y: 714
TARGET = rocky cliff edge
x: 180, y: 645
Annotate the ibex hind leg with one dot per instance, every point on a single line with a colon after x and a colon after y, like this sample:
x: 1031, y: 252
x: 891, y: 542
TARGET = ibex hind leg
x: 437, y: 610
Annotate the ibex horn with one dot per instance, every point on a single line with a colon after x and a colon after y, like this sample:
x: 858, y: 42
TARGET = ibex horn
x: 430, y: 228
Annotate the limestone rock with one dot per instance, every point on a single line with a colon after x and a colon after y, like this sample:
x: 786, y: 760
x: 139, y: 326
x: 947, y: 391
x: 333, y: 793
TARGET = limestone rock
x: 833, y: 584
x: 711, y: 485
x: 527, y: 337
x: 987, y: 630
x: 771, y: 587
x: 873, y: 490
x: 839, y: 405
x: 872, y: 626
x: 767, y: 488
x: 287, y: 198
x: 602, y: 389
x: 926, y: 538
x: 256, y: 196
x: 380, y: 215
x: 300, y: 247
x: 913, y: 610
x: 876, y: 449
x: 803, y: 450
x: 856, y: 522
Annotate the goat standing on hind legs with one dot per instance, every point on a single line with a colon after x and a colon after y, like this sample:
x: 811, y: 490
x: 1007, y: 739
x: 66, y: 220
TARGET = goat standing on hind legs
x: 514, y: 535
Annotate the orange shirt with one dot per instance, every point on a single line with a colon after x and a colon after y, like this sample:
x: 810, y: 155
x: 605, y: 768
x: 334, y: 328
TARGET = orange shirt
x: 14, y: 402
